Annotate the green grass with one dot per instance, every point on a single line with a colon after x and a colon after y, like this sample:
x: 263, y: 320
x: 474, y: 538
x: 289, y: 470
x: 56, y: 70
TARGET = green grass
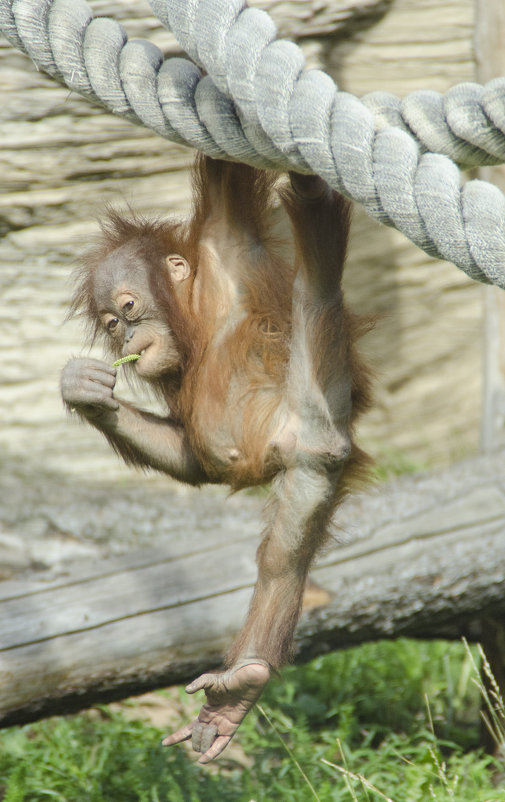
x: 387, y: 721
x: 389, y: 463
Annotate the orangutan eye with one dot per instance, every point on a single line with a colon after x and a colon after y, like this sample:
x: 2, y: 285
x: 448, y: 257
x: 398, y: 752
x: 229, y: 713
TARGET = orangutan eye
x: 111, y: 325
x: 128, y: 306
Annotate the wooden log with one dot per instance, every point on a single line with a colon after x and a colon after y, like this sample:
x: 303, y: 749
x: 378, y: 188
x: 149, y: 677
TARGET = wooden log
x: 425, y: 557
x: 490, y: 63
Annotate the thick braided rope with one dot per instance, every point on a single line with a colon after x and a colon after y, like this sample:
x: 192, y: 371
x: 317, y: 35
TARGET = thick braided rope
x: 259, y: 105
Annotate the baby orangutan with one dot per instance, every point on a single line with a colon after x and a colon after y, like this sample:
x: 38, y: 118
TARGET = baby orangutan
x: 256, y: 361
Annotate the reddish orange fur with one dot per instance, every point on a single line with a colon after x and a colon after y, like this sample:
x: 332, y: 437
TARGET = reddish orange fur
x: 241, y: 374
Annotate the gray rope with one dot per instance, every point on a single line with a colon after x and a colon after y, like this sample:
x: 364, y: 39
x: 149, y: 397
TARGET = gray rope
x: 258, y: 104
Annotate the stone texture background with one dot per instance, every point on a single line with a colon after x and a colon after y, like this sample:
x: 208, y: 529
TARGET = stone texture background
x: 61, y: 160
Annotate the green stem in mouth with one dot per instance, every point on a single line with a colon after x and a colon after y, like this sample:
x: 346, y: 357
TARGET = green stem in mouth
x: 124, y: 359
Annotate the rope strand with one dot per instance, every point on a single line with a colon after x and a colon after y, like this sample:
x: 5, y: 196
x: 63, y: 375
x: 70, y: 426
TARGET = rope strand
x: 259, y: 104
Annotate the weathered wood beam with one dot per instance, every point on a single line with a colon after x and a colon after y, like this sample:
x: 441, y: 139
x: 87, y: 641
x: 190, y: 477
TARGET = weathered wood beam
x: 295, y: 19
x: 425, y: 558
x: 307, y: 19
x: 490, y: 63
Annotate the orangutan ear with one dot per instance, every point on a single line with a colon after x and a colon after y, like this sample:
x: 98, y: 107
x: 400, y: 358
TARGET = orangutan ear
x: 178, y: 267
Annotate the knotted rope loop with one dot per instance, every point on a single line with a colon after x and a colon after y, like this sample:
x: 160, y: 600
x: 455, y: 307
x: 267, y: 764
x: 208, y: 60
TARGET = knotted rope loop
x: 259, y: 104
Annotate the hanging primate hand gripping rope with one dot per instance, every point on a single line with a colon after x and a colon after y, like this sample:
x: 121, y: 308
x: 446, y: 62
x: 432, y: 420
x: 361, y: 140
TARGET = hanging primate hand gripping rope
x: 258, y: 104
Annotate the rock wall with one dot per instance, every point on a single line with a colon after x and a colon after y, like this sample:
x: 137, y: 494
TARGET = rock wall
x: 61, y: 160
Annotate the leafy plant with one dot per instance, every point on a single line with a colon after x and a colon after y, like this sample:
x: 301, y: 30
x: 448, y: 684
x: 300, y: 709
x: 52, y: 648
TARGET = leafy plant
x: 353, y: 726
